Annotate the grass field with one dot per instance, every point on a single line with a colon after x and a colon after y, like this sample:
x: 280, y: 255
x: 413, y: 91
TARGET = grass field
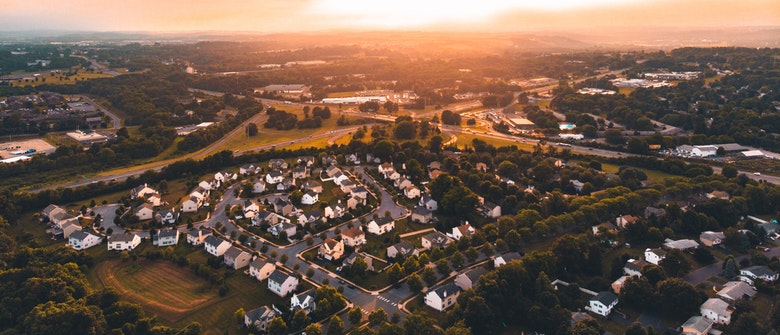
x: 59, y: 78
x: 651, y: 174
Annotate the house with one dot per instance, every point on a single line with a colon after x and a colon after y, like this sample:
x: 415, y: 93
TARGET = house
x: 277, y: 164
x: 264, y: 216
x: 412, y: 192
x: 711, y: 238
x: 385, y: 168
x: 309, y: 217
x: 154, y: 199
x: 428, y: 202
x: 236, y: 258
x: 329, y: 160
x: 634, y: 267
x: 200, y: 193
x: 283, y: 206
x: 435, y: 165
x: 80, y: 240
x: 69, y: 228
x: 312, y: 185
x: 261, y: 269
x: 716, y: 310
x: 52, y: 210
x: 353, y: 237
x: 283, y: 226
x: 144, y: 211
x: 469, y: 278
x: 605, y: 227
x: 359, y: 192
x: 684, y: 244
x: 224, y: 176
x: 281, y: 283
x: 259, y: 318
x: 167, y: 217
x: 658, y: 212
x: 274, y: 177
x: 190, y: 205
x: 603, y: 303
x: 506, y: 258
x: 331, y: 171
x: 421, y: 214
x: 394, y: 176
x: 249, y: 169
x: 334, y: 211
x: 61, y: 218
x: 353, y: 159
x: 655, y: 255
x: 251, y: 207
x: 304, y: 301
x: 300, y: 172
x: 352, y: 257
x: 463, y: 230
x: 696, y: 325
x: 442, y: 297
x: 331, y: 249
x: 307, y: 161
x: 208, y: 185
x: 401, y: 249
x: 434, y: 239
x: 734, y: 291
x: 258, y: 186
x: 491, y: 210
x: 166, y: 237
x: 123, y: 242
x: 381, y: 225
x: 339, y: 179
x: 759, y: 272
x: 310, y: 198
x: 403, y: 183
x: 723, y: 195
x: 141, y: 191
x: 198, y: 236
x: 481, y: 167
x: 624, y: 220
x: 216, y: 246
x: 353, y: 202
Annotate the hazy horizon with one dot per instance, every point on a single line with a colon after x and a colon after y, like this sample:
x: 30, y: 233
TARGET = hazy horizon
x: 307, y: 16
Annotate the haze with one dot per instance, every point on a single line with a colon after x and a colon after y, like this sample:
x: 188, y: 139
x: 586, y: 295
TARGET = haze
x: 329, y: 15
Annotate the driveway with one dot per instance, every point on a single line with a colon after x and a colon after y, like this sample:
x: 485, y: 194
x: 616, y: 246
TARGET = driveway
x: 108, y: 213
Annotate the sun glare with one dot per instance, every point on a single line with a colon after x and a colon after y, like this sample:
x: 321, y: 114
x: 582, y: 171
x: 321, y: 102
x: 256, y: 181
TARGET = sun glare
x: 413, y: 13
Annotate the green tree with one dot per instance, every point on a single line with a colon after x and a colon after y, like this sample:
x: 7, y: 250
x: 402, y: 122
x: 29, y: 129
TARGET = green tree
x: 457, y: 260
x: 355, y: 314
x: 377, y: 317
x: 415, y: 283
x: 614, y: 136
x: 675, y: 264
x: 678, y: 297
x: 239, y: 316
x: 313, y: 329
x: 394, y: 273
x: 335, y: 326
x: 729, y: 171
x: 636, y: 329
x: 429, y: 276
x: 404, y: 131
x: 64, y: 318
x: 420, y: 324
x: 277, y: 326
x: 299, y: 319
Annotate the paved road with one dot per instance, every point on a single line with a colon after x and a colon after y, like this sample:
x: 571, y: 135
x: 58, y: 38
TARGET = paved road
x: 116, y: 122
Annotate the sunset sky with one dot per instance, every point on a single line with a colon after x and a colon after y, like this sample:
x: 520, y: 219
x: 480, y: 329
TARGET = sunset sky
x: 272, y: 16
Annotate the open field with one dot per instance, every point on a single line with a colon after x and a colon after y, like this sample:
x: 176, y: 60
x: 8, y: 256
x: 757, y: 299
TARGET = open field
x: 465, y: 140
x: 151, y: 284
x: 48, y: 78
x: 651, y: 174
x: 38, y: 144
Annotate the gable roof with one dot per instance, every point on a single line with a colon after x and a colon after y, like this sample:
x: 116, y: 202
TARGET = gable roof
x: 167, y: 233
x: 383, y: 220
x: 475, y: 273
x: 122, y: 238
x: 352, y: 232
x: 759, y: 270
x: 606, y: 298
x: 447, y: 289
x: 278, y: 276
x: 717, y: 305
x: 233, y: 252
x: 213, y: 240
x: 80, y: 235
x: 736, y: 290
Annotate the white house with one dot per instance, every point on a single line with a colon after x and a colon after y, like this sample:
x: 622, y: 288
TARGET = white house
x: 197, y: 236
x: 300, y: 172
x: 401, y: 249
x: 603, y: 303
x: 634, y: 267
x: 281, y: 283
x: 154, y: 199
x: 248, y: 169
x: 353, y: 237
x: 123, y: 242
x: 331, y: 249
x: 412, y: 192
x: 259, y: 318
x: 80, y: 240
x: 421, y: 214
x: 505, y: 258
x: 759, y: 272
x: 381, y: 225
x: 442, y: 297
x: 359, y: 192
x: 190, y: 205
x: 716, y: 310
x: 274, y: 177
x: 283, y: 226
x: 304, y: 301
x: 696, y: 325
x: 144, y: 211
x: 310, y: 198
x: 428, y: 202
x: 165, y: 216
x: 141, y: 191
x: 434, y: 239
x: 224, y: 176
x: 258, y: 186
x: 261, y: 269
x: 460, y: 231
x: 334, y: 211
x: 704, y: 150
x: 166, y: 237
x: 492, y: 210
x: 711, y: 238
x: 469, y: 278
x: 385, y: 168
x: 215, y: 245
x: 236, y: 258
x: 734, y: 291
x: 655, y: 255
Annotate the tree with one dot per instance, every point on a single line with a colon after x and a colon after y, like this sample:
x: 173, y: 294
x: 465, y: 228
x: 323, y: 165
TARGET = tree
x: 313, y: 329
x: 377, y: 317
x: 335, y: 326
x: 678, y: 297
x: 64, y: 318
x: 359, y: 267
x: 614, y: 136
x: 675, y: 264
x: 394, y: 273
x: 636, y: 329
x: 415, y: 283
x: 745, y: 324
x: 457, y: 259
x: 283, y: 258
x: 730, y: 269
x: 239, y: 316
x: 277, y: 326
x: 429, y: 276
x: 729, y: 171
x: 355, y: 314
x: 299, y: 319
x: 448, y: 117
x: 404, y: 130
x: 637, y: 292
x: 443, y: 266
x: 420, y: 324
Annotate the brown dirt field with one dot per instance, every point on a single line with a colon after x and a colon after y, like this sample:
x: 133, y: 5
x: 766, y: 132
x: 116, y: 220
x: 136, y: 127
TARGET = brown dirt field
x: 165, y: 289
x: 38, y: 144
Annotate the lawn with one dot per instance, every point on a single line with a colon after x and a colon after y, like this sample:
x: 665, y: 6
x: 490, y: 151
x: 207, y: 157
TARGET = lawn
x: 654, y: 175
x: 465, y: 140
x: 59, y: 78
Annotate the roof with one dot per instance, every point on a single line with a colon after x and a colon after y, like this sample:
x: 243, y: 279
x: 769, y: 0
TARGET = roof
x: 435, y: 237
x: 262, y: 312
x: 383, y: 220
x: 233, y: 252
x: 760, y: 270
x: 359, y: 189
x: 331, y: 243
x: 717, y: 305
x: 213, y: 240
x: 475, y: 273
x: 352, y: 232
x: 698, y: 323
x: 510, y: 256
x: 605, y: 297
x: 446, y: 289
x: 308, y: 293
x: 278, y: 276
x: 80, y: 235
x: 167, y: 233
x: 122, y: 238
x: 464, y: 229
x: 404, y: 247
x: 636, y: 264
x: 194, y: 232
x: 421, y: 210
x: 712, y: 235
x: 736, y: 290
x: 681, y: 244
